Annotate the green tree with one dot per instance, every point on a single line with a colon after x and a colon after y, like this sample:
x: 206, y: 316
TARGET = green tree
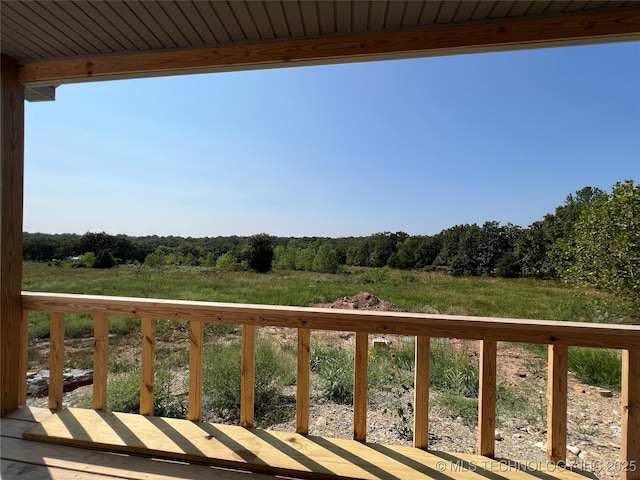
x: 326, y: 260
x: 259, y: 252
x: 604, y: 250
x: 104, y: 259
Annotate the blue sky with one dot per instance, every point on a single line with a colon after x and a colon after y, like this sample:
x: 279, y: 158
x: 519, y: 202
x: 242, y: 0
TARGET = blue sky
x: 413, y: 145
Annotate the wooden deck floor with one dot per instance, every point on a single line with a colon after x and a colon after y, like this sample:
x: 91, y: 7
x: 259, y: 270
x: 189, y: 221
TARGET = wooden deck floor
x: 123, y: 446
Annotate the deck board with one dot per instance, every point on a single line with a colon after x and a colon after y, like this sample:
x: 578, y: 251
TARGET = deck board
x: 271, y: 452
x: 24, y: 459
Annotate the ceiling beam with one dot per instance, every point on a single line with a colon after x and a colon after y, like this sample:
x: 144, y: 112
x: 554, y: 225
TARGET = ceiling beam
x: 495, y: 36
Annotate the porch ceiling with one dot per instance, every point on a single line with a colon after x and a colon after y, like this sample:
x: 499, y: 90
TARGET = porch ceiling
x: 69, y: 41
x: 46, y: 30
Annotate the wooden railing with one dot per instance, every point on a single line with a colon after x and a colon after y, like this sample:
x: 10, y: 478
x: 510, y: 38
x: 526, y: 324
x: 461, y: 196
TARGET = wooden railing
x: 559, y: 336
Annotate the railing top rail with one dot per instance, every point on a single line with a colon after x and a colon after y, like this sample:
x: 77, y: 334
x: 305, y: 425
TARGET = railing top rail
x: 403, y: 323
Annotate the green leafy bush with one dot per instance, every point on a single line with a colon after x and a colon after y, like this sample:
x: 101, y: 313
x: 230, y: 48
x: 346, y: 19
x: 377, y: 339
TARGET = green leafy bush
x: 222, y: 375
x: 335, y: 372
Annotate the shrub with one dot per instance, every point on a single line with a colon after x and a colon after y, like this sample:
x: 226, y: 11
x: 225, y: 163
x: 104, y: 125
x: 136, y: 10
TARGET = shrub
x: 123, y: 394
x: 222, y: 376
x: 596, y: 366
x: 226, y: 262
x: 452, y: 371
x: 259, y: 252
x: 104, y: 259
x: 335, y: 372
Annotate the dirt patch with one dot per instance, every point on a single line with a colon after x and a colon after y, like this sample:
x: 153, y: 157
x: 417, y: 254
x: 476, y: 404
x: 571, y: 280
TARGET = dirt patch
x: 361, y: 301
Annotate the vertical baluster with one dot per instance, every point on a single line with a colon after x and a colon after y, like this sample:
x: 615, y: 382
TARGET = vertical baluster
x: 196, y: 350
x: 360, y: 387
x: 56, y: 360
x: 147, y: 381
x: 630, y: 441
x: 302, y: 393
x: 421, y: 393
x: 24, y: 357
x: 487, y: 399
x: 248, y: 375
x: 557, y: 403
x: 100, y: 361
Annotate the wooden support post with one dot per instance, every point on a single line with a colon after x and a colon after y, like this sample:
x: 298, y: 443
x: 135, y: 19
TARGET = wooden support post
x: 487, y: 399
x: 302, y: 391
x: 247, y: 383
x: 557, y: 403
x: 11, y: 192
x: 56, y: 361
x: 24, y: 357
x: 100, y: 361
x: 196, y: 350
x: 630, y: 441
x: 421, y: 393
x: 360, y: 385
x: 147, y: 381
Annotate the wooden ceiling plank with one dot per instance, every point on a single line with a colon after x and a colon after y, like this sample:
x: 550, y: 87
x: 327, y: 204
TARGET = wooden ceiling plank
x: 465, y: 12
x: 228, y: 19
x: 447, y: 12
x: 260, y: 17
x: 538, y: 7
x: 501, y: 9
x: 482, y: 11
x: 596, y: 5
x: 520, y: 8
x: 16, y: 37
x: 310, y: 19
x: 245, y: 20
x: 277, y: 18
x: 146, y: 18
x: 183, y: 24
x: 429, y: 13
x: 28, y: 20
x: 412, y: 14
x: 97, y: 28
x: 168, y: 23
x: 377, y: 15
x: 493, y: 36
x: 131, y: 19
x: 107, y: 25
x: 327, y: 17
x: 294, y: 17
x: 13, y: 43
x: 577, y: 6
x: 63, y: 15
x: 557, y: 7
x: 343, y: 17
x: 213, y: 22
x: 395, y: 14
x: 134, y: 40
x: 360, y: 16
x: 198, y: 23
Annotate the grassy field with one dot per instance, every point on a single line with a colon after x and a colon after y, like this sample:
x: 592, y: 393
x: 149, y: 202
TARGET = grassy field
x: 453, y: 374
x: 411, y: 291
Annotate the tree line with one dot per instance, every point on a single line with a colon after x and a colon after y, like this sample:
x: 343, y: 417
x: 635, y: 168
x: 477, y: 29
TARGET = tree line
x: 593, y: 238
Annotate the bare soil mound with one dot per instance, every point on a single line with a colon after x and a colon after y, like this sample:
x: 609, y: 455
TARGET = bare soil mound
x: 363, y: 301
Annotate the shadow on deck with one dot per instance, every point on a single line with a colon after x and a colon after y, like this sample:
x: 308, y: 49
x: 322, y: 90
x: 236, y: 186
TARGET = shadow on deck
x: 122, y: 445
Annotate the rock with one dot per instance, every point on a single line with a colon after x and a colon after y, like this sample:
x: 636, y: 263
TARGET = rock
x: 573, y: 449
x: 321, y: 421
x: 615, y: 429
x: 579, y: 389
x: 521, y: 374
x: 541, y: 445
x: 583, y: 456
x: 499, y: 437
x: 605, y: 393
x: 517, y: 435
